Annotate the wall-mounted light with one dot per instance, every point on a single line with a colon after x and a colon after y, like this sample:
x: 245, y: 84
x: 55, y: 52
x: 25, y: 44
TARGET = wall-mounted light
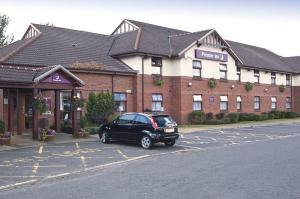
x: 232, y: 86
x: 266, y: 90
x: 190, y: 84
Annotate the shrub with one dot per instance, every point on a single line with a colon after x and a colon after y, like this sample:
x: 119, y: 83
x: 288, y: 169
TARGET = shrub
x: 197, y: 117
x: 283, y: 114
x: 281, y: 88
x: 220, y: 116
x: 276, y: 114
x: 292, y: 115
x: 83, y: 122
x: 248, y: 117
x: 93, y: 130
x: 2, y: 127
x: 209, y: 116
x: 99, y: 107
x: 112, y: 118
x: 214, y: 122
x: 233, y: 117
x: 264, y: 116
x: 227, y: 120
x: 67, y: 128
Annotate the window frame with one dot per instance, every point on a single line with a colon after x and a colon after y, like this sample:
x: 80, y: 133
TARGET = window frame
x: 225, y: 102
x: 199, y: 68
x: 223, y: 71
x: 157, y: 65
x: 238, y: 73
x: 257, y: 101
x: 256, y: 76
x: 157, y: 101
x: 239, y: 102
x: 124, y: 101
x: 273, y: 103
x: 288, y: 80
x: 198, y: 101
x: 288, y: 102
x: 273, y: 78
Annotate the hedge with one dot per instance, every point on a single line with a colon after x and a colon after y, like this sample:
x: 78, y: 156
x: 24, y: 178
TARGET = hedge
x: 197, y: 117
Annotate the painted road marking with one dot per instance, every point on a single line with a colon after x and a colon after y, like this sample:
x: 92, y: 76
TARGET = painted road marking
x: 82, y: 158
x: 122, y: 154
x: 58, y: 175
x: 41, y: 149
x: 17, y: 184
x: 35, y: 167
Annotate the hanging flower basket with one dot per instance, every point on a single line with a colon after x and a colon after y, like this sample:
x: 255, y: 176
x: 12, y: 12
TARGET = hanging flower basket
x: 212, y: 83
x: 40, y: 104
x: 281, y: 88
x: 248, y: 86
x: 158, y: 81
x: 47, y: 135
x: 76, y: 103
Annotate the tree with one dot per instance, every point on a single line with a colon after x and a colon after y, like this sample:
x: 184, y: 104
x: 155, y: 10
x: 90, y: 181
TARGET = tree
x: 100, y: 107
x: 4, y: 38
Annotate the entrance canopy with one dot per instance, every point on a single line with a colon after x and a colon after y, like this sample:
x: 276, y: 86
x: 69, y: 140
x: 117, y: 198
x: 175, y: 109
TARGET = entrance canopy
x: 51, y: 77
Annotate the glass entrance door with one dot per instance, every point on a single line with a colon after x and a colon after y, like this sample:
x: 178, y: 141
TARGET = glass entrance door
x: 28, y: 111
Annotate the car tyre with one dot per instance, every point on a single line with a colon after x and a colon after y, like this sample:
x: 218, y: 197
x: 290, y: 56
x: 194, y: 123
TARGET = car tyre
x: 146, y: 142
x: 104, y: 137
x: 170, y: 143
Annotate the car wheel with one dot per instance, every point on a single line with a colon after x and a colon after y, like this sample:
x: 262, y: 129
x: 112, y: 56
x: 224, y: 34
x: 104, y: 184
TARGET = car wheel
x: 170, y: 143
x: 104, y: 137
x: 146, y: 142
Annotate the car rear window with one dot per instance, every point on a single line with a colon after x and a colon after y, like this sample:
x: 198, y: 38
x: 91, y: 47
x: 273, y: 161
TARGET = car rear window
x: 163, y: 120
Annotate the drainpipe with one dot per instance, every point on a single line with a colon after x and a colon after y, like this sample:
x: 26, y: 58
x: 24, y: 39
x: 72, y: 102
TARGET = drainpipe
x: 143, y: 103
x: 292, y: 93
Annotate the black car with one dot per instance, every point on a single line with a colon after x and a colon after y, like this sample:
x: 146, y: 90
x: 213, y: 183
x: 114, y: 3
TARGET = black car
x: 141, y: 128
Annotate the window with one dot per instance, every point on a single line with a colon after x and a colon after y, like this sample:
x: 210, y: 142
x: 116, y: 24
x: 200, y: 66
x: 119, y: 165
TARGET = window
x: 197, y: 102
x: 120, y: 102
x: 256, y: 76
x: 156, y: 65
x: 288, y: 80
x: 157, y: 102
x: 126, y: 119
x: 273, y: 78
x: 223, y: 103
x: 288, y: 103
x: 65, y: 101
x: 238, y: 73
x: 274, y: 103
x: 141, y: 120
x: 223, y: 71
x: 197, y: 68
x: 256, y: 103
x: 239, y: 103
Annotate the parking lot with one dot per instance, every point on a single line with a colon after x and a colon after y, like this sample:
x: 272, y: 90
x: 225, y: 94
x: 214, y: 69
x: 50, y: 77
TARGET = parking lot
x: 29, y: 165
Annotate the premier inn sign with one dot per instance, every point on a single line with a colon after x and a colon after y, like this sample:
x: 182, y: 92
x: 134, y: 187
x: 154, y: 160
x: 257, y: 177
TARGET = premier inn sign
x: 202, y: 54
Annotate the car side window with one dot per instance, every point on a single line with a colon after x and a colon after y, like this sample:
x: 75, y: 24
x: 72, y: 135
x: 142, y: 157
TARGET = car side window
x: 141, y: 120
x: 126, y: 119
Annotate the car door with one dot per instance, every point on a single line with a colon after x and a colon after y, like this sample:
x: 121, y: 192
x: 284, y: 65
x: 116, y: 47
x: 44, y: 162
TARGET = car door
x: 141, y: 123
x: 122, y: 127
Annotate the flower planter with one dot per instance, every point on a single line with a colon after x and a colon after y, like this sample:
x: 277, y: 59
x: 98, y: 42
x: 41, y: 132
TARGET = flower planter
x: 4, y: 141
x: 81, y: 135
x: 49, y: 138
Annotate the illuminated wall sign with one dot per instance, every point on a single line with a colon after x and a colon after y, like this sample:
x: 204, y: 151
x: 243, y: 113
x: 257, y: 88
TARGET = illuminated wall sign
x: 202, y: 54
x: 56, y: 78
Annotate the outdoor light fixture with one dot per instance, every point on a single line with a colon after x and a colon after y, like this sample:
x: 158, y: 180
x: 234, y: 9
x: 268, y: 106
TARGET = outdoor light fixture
x: 266, y: 90
x: 232, y: 86
x: 190, y: 84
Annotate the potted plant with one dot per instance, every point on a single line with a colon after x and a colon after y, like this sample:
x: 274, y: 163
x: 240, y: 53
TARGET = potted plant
x: 82, y: 133
x: 47, y: 134
x: 5, y: 137
x: 281, y: 88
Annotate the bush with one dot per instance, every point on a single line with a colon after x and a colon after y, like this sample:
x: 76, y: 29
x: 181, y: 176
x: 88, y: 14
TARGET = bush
x: 233, y: 117
x: 264, y: 116
x: 2, y: 127
x: 112, y: 118
x: 275, y: 114
x: 292, y: 115
x: 67, y: 128
x: 197, y: 117
x: 100, y: 107
x: 214, y: 122
x: 220, y: 116
x: 282, y: 114
x: 209, y: 116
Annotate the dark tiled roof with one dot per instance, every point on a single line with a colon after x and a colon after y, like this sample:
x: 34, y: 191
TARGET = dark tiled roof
x: 293, y: 62
x: 182, y: 41
x: 20, y: 74
x: 253, y: 56
x: 65, y: 47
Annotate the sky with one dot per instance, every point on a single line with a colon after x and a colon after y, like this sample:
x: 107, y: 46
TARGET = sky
x: 274, y: 25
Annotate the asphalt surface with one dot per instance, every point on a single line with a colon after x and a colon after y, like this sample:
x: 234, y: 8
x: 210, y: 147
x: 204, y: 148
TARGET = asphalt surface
x: 258, y: 162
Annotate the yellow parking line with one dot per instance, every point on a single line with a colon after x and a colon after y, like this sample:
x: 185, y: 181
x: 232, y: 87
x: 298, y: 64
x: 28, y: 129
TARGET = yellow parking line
x: 35, y: 167
x: 122, y: 154
x: 77, y: 145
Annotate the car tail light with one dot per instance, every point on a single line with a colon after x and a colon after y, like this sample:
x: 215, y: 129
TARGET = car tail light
x: 154, y: 124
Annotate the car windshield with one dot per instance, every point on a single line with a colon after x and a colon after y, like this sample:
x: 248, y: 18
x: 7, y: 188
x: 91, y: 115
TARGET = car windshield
x: 163, y: 120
